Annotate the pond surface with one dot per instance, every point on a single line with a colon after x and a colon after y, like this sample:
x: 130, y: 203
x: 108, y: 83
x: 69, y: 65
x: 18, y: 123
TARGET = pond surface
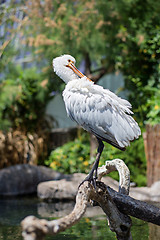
x: 92, y: 226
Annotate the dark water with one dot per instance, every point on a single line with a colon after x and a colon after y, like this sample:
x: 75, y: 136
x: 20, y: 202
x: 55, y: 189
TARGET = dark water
x: 92, y: 226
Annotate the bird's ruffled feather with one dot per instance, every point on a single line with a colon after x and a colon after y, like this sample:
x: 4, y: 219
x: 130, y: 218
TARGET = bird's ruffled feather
x: 100, y: 111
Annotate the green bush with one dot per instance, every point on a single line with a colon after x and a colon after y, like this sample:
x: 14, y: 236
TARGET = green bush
x: 74, y: 157
x: 153, y: 103
x: 23, y: 97
x: 139, y: 63
x: 134, y: 157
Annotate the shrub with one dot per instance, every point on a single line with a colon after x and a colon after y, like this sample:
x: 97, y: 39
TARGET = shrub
x: 153, y: 104
x: 23, y: 97
x: 74, y: 157
x: 134, y: 158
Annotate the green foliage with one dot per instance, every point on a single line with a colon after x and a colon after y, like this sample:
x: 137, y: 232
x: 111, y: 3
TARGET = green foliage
x: 87, y: 228
x: 134, y: 157
x: 137, y: 39
x: 66, y: 27
x: 23, y: 97
x: 96, y: 228
x: 84, y: 230
x: 112, y: 35
x: 7, y: 96
x: 153, y: 103
x: 74, y: 156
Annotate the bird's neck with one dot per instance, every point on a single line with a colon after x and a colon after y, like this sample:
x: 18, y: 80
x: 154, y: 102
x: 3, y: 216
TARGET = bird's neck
x: 68, y: 78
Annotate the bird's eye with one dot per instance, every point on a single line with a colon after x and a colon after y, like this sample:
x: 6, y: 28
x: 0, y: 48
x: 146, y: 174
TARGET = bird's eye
x: 69, y: 61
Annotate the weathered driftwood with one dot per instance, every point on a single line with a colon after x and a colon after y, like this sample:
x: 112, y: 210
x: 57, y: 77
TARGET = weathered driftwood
x: 124, y: 173
x: 36, y: 229
x: 117, y: 207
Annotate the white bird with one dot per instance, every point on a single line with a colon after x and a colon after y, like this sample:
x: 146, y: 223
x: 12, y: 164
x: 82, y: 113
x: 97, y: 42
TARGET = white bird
x: 97, y: 110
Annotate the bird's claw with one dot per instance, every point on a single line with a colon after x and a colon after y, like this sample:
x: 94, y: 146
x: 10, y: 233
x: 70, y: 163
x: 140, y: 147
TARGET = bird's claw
x: 92, y: 180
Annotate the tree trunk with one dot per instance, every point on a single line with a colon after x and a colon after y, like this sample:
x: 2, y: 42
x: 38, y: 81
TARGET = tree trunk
x: 152, y: 151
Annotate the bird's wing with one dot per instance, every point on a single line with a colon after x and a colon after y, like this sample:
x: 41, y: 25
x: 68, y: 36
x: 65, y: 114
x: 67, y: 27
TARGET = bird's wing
x: 100, y: 111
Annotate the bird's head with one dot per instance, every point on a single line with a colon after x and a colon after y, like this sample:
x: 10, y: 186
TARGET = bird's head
x: 64, y: 67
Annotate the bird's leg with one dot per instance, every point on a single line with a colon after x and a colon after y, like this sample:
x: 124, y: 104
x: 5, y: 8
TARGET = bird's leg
x: 96, y: 163
x: 91, y: 177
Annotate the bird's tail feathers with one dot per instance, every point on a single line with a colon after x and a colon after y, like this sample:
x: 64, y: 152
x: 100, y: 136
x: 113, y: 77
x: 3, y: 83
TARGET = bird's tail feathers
x: 113, y: 143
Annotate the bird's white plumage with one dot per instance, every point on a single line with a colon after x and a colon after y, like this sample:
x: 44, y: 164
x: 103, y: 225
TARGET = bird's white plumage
x: 59, y: 65
x: 96, y: 109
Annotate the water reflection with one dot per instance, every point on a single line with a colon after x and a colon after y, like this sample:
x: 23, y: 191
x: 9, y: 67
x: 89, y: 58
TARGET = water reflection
x: 13, y: 210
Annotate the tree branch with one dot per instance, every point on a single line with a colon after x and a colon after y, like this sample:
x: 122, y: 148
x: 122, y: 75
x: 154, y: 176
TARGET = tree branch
x: 36, y: 229
x: 87, y: 64
x: 91, y: 73
x: 118, y: 222
x: 135, y: 208
x: 124, y: 173
x: 116, y: 206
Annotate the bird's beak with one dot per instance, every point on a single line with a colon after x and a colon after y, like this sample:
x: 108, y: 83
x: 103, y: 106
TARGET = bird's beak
x: 72, y: 66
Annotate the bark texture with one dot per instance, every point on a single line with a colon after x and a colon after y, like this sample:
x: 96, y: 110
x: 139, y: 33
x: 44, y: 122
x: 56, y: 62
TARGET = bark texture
x: 152, y: 150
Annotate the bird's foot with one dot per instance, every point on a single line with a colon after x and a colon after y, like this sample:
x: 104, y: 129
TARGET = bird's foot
x: 91, y: 179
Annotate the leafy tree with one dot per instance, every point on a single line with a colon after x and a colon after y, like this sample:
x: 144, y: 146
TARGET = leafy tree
x: 108, y: 35
x: 137, y: 50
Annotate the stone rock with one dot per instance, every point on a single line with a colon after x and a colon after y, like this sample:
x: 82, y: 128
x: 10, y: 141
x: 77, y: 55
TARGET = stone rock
x: 51, y: 185
x: 66, y: 189
x: 147, y: 193
x: 62, y: 189
x: 155, y: 191
x: 24, y: 178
